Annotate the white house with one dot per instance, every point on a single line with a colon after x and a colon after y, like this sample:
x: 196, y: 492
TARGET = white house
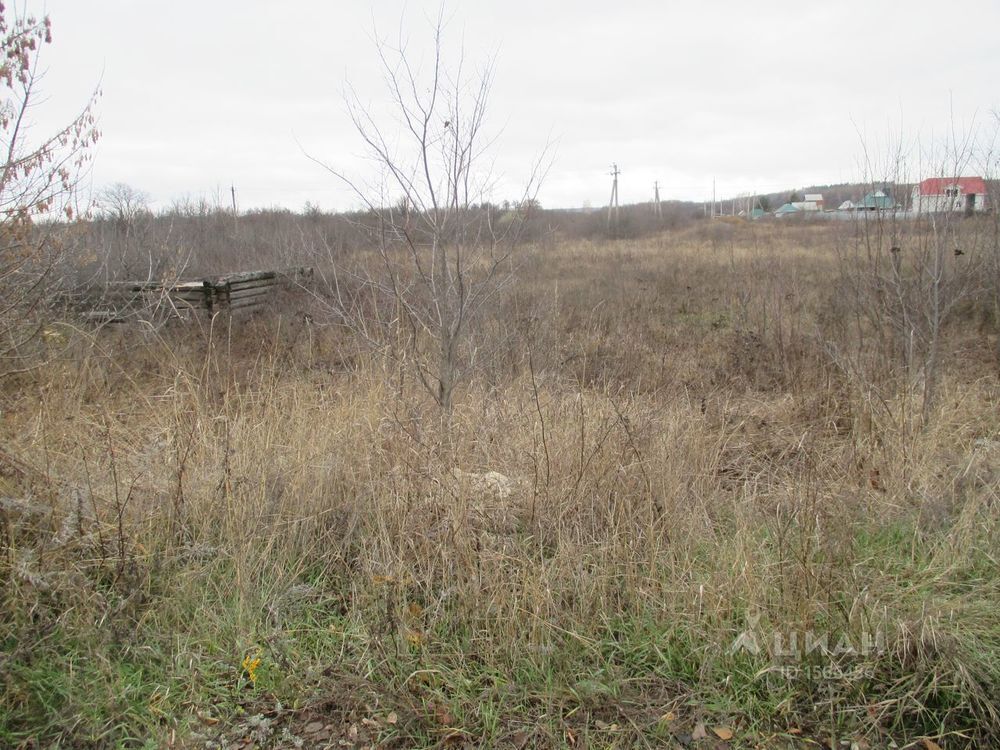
x: 938, y: 194
x: 813, y: 202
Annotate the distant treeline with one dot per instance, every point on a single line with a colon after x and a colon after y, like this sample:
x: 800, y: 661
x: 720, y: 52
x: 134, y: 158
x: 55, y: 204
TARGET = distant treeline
x: 126, y: 240
x: 203, y: 241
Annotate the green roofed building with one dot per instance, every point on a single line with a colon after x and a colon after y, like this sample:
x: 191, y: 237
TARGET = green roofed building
x: 876, y: 201
x: 786, y: 209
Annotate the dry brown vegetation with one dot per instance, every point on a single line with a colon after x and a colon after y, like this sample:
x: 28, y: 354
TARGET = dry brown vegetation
x: 683, y: 450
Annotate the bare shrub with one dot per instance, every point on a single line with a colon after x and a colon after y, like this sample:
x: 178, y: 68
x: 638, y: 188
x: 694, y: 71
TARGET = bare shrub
x: 445, y: 252
x: 37, y: 182
x: 903, y: 276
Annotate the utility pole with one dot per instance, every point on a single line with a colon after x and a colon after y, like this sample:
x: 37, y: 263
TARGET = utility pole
x: 713, y: 197
x: 613, y: 203
x: 657, y: 208
x: 232, y: 192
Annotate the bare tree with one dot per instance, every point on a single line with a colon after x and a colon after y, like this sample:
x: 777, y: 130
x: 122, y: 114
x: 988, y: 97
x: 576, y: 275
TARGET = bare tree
x: 37, y: 181
x: 907, y: 271
x: 127, y: 210
x: 444, y: 251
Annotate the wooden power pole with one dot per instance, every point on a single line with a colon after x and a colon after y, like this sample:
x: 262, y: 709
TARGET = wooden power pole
x: 232, y: 192
x: 613, y: 203
x: 657, y: 208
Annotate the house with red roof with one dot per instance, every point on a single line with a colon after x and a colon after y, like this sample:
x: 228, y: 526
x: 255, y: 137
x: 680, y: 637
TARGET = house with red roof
x: 937, y: 194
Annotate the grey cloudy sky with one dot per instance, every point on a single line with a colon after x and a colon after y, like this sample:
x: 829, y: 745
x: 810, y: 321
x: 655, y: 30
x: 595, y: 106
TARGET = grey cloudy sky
x: 759, y: 96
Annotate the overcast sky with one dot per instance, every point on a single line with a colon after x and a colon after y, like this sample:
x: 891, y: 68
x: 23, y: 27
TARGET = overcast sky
x: 758, y: 96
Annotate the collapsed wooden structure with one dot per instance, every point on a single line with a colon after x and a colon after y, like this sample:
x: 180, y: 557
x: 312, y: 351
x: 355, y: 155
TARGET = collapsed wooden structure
x: 237, y: 294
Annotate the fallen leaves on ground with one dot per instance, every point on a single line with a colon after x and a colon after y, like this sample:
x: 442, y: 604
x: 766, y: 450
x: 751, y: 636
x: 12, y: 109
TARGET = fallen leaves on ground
x: 723, y: 733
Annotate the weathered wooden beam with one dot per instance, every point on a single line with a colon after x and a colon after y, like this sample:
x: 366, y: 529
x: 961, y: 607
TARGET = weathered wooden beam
x: 246, y: 276
x: 266, y: 284
x: 244, y: 292
x: 236, y: 294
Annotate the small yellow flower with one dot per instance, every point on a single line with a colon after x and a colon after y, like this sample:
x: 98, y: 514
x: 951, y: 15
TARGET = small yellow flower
x: 250, y: 665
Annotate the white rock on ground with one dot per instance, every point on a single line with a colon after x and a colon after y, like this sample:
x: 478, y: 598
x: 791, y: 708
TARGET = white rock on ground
x: 490, y: 482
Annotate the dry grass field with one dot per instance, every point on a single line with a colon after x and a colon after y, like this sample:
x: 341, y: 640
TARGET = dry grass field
x: 687, y: 498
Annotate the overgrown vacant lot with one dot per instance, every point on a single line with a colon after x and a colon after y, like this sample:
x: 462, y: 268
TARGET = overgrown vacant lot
x: 725, y: 513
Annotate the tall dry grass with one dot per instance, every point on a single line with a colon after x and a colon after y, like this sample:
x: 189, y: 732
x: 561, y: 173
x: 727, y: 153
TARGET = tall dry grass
x: 681, y: 459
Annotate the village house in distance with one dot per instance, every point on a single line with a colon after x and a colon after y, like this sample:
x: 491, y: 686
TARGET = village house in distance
x: 813, y: 202
x: 939, y: 194
x: 967, y: 195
